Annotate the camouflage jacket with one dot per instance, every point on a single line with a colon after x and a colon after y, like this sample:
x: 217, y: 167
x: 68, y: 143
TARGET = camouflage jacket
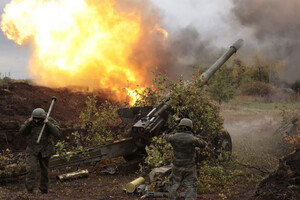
x: 31, y: 131
x: 184, y: 143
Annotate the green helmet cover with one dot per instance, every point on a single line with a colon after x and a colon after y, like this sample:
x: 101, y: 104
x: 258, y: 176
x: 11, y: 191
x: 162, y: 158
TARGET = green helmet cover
x: 39, y: 113
x: 186, y: 122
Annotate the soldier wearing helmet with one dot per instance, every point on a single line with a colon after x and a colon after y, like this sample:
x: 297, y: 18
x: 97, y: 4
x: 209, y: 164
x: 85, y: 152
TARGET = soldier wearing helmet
x: 38, y: 152
x: 184, y: 167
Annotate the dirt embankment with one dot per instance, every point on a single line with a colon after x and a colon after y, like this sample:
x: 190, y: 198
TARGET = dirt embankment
x: 284, y: 183
x: 17, y: 100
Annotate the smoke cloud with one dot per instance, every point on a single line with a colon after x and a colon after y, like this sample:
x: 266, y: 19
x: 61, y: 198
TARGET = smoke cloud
x: 275, y: 25
x: 188, y: 49
x: 183, y: 48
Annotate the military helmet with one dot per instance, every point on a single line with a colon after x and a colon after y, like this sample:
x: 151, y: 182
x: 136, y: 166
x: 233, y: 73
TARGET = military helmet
x: 186, y: 122
x: 39, y: 113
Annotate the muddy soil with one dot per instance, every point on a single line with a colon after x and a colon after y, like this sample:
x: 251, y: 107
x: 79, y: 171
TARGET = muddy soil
x: 98, y: 186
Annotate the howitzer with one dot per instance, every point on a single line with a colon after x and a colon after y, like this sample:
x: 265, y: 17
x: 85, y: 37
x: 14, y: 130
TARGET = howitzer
x: 154, y: 122
x: 148, y: 122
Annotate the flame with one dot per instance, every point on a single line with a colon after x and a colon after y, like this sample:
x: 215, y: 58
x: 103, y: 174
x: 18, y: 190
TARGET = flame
x: 82, y: 43
x: 134, y: 95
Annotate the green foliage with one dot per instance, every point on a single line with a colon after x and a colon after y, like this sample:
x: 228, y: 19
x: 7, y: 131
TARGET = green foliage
x: 221, y: 87
x: 158, y: 153
x: 238, y: 73
x: 60, y: 147
x: 290, y: 128
x: 11, y: 164
x: 256, y: 88
x: 5, y: 80
x: 221, y: 176
x: 99, y: 127
x: 261, y: 70
x: 287, y: 114
x: 152, y: 95
x: 257, y: 71
x: 98, y: 121
x: 5, y: 158
x: 190, y: 100
x: 256, y: 76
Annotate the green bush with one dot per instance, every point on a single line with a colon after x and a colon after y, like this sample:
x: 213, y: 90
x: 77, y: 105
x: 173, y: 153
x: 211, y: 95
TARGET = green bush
x: 152, y: 95
x: 5, y: 80
x: 98, y: 127
x: 158, y: 153
x: 221, y: 177
x: 256, y: 88
x: 11, y: 164
x: 98, y: 121
x: 221, y: 87
x: 190, y: 100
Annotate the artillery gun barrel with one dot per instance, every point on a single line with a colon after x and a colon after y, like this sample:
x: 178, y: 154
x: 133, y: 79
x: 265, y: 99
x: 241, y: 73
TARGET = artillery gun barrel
x: 210, y: 72
x: 205, y: 76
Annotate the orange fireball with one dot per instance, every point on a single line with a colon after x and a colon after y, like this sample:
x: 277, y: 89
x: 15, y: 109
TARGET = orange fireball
x: 82, y: 42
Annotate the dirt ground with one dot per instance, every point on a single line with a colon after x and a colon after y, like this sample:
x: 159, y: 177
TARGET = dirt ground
x: 98, y: 186
x: 248, y: 130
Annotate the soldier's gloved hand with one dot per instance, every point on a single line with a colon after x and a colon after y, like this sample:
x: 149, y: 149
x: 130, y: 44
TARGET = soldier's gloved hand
x: 45, y: 121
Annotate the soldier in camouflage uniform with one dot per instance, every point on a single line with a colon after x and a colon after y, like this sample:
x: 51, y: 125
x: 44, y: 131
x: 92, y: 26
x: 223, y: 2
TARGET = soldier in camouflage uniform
x: 184, y: 167
x: 38, y: 152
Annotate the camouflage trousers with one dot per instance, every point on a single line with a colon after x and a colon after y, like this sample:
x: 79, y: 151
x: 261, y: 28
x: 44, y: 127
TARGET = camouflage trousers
x: 31, y: 169
x: 187, y: 176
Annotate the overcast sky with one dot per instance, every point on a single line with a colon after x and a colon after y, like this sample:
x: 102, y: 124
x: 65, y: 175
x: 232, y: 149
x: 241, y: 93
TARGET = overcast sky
x: 13, y: 58
x: 210, y: 18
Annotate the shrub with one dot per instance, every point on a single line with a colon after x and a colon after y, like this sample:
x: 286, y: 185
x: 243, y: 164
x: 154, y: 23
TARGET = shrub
x: 158, y: 153
x: 11, y: 164
x: 221, y: 87
x: 98, y: 121
x: 256, y: 88
x: 187, y: 100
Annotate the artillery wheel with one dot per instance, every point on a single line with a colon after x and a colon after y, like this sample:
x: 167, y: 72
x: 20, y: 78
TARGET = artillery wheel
x: 226, y: 143
x: 223, y: 143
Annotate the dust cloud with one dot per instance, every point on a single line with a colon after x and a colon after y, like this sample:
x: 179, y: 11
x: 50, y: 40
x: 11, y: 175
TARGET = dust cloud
x: 253, y: 136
